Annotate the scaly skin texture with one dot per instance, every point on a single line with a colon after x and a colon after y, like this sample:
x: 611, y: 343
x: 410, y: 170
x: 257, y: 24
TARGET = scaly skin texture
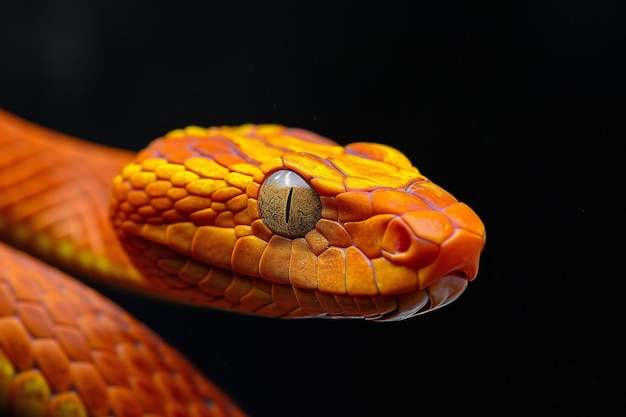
x: 188, y: 209
x: 258, y: 219
x: 66, y: 351
x: 54, y: 199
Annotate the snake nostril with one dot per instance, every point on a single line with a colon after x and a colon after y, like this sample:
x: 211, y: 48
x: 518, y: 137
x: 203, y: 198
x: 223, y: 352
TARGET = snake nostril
x: 398, y: 240
x: 402, y: 247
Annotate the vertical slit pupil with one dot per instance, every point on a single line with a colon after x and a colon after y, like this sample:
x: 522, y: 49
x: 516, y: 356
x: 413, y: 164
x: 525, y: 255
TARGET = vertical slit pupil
x: 288, y: 208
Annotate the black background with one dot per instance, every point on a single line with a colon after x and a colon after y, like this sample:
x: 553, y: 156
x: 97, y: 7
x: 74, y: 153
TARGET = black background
x: 509, y: 107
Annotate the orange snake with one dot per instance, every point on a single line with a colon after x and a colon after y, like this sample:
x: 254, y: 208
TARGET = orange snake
x: 259, y: 219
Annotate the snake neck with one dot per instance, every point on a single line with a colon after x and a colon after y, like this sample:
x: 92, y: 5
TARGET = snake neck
x: 54, y: 197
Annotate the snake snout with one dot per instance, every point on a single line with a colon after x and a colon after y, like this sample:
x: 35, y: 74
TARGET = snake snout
x: 434, y: 244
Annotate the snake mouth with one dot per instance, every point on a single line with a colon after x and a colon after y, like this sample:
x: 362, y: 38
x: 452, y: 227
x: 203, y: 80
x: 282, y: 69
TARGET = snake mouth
x: 440, y: 293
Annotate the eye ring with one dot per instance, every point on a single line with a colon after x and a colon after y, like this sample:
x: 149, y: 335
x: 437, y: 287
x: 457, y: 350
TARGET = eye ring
x: 288, y: 205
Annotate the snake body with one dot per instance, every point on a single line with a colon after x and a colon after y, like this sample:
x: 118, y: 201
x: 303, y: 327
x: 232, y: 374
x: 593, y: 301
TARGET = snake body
x: 258, y: 219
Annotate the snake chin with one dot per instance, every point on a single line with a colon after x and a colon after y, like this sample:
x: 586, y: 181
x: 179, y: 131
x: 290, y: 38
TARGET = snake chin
x: 440, y: 293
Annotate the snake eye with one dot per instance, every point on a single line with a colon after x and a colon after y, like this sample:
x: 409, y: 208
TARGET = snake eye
x: 288, y: 205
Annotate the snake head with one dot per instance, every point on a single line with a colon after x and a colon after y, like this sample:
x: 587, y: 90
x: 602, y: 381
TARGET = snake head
x: 282, y: 222
x: 364, y: 226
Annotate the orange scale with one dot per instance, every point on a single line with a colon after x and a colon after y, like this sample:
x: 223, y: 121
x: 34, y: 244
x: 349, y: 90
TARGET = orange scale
x: 266, y: 168
x: 120, y: 189
x: 225, y: 193
x: 15, y: 342
x: 317, y: 242
x: 192, y: 203
x: 26, y: 289
x: 329, y: 208
x: 277, y: 252
x: 331, y: 271
x: 238, y: 180
x: 158, y: 188
x: 166, y: 385
x: 334, y: 233
x: 242, y: 230
x: 229, y: 160
x: 99, y: 332
x: 329, y: 303
x: 244, y: 168
x: 124, y: 402
x: 354, y: 183
x: 161, y: 203
x: 394, y: 279
x: 60, y: 312
x: 379, y: 152
x: 36, y: 319
x: 436, y: 197
x: 455, y: 252
x: 464, y: 217
x: 91, y: 387
x: 367, y: 234
x: 136, y: 218
x: 173, y: 216
x: 180, y: 235
x: 126, y: 207
x: 137, y: 198
x: 385, y: 304
x: 206, y: 167
x: 28, y: 395
x: 253, y: 190
x: 203, y: 217
x: 284, y: 297
x: 147, y: 394
x: 214, y: 244
x: 359, y: 274
x: 309, y: 304
x: 177, y: 193
x: 253, y: 209
x: 132, y: 359
x: 311, y: 166
x: 348, y: 305
x: 247, y: 255
x: 430, y: 225
x: 7, y: 303
x: 53, y: 363
x: 396, y: 202
x: 110, y: 367
x: 214, y: 146
x: 219, y: 207
x: 179, y: 155
x: 237, y: 203
x: 326, y: 187
x: 383, y: 173
x: 64, y: 401
x: 261, y: 230
x: 147, y: 211
x: 216, y: 282
x: 191, y: 271
x: 239, y: 287
x: 225, y: 219
x: 354, y: 206
x: 242, y: 217
x: 302, y: 265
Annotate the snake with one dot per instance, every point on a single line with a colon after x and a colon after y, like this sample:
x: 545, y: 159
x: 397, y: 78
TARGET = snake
x: 257, y: 219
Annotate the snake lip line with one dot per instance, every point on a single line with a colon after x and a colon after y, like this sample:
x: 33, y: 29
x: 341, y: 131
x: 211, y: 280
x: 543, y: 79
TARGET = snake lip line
x: 440, y: 293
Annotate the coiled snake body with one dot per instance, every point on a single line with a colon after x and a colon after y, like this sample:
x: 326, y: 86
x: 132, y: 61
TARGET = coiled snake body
x: 259, y: 219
